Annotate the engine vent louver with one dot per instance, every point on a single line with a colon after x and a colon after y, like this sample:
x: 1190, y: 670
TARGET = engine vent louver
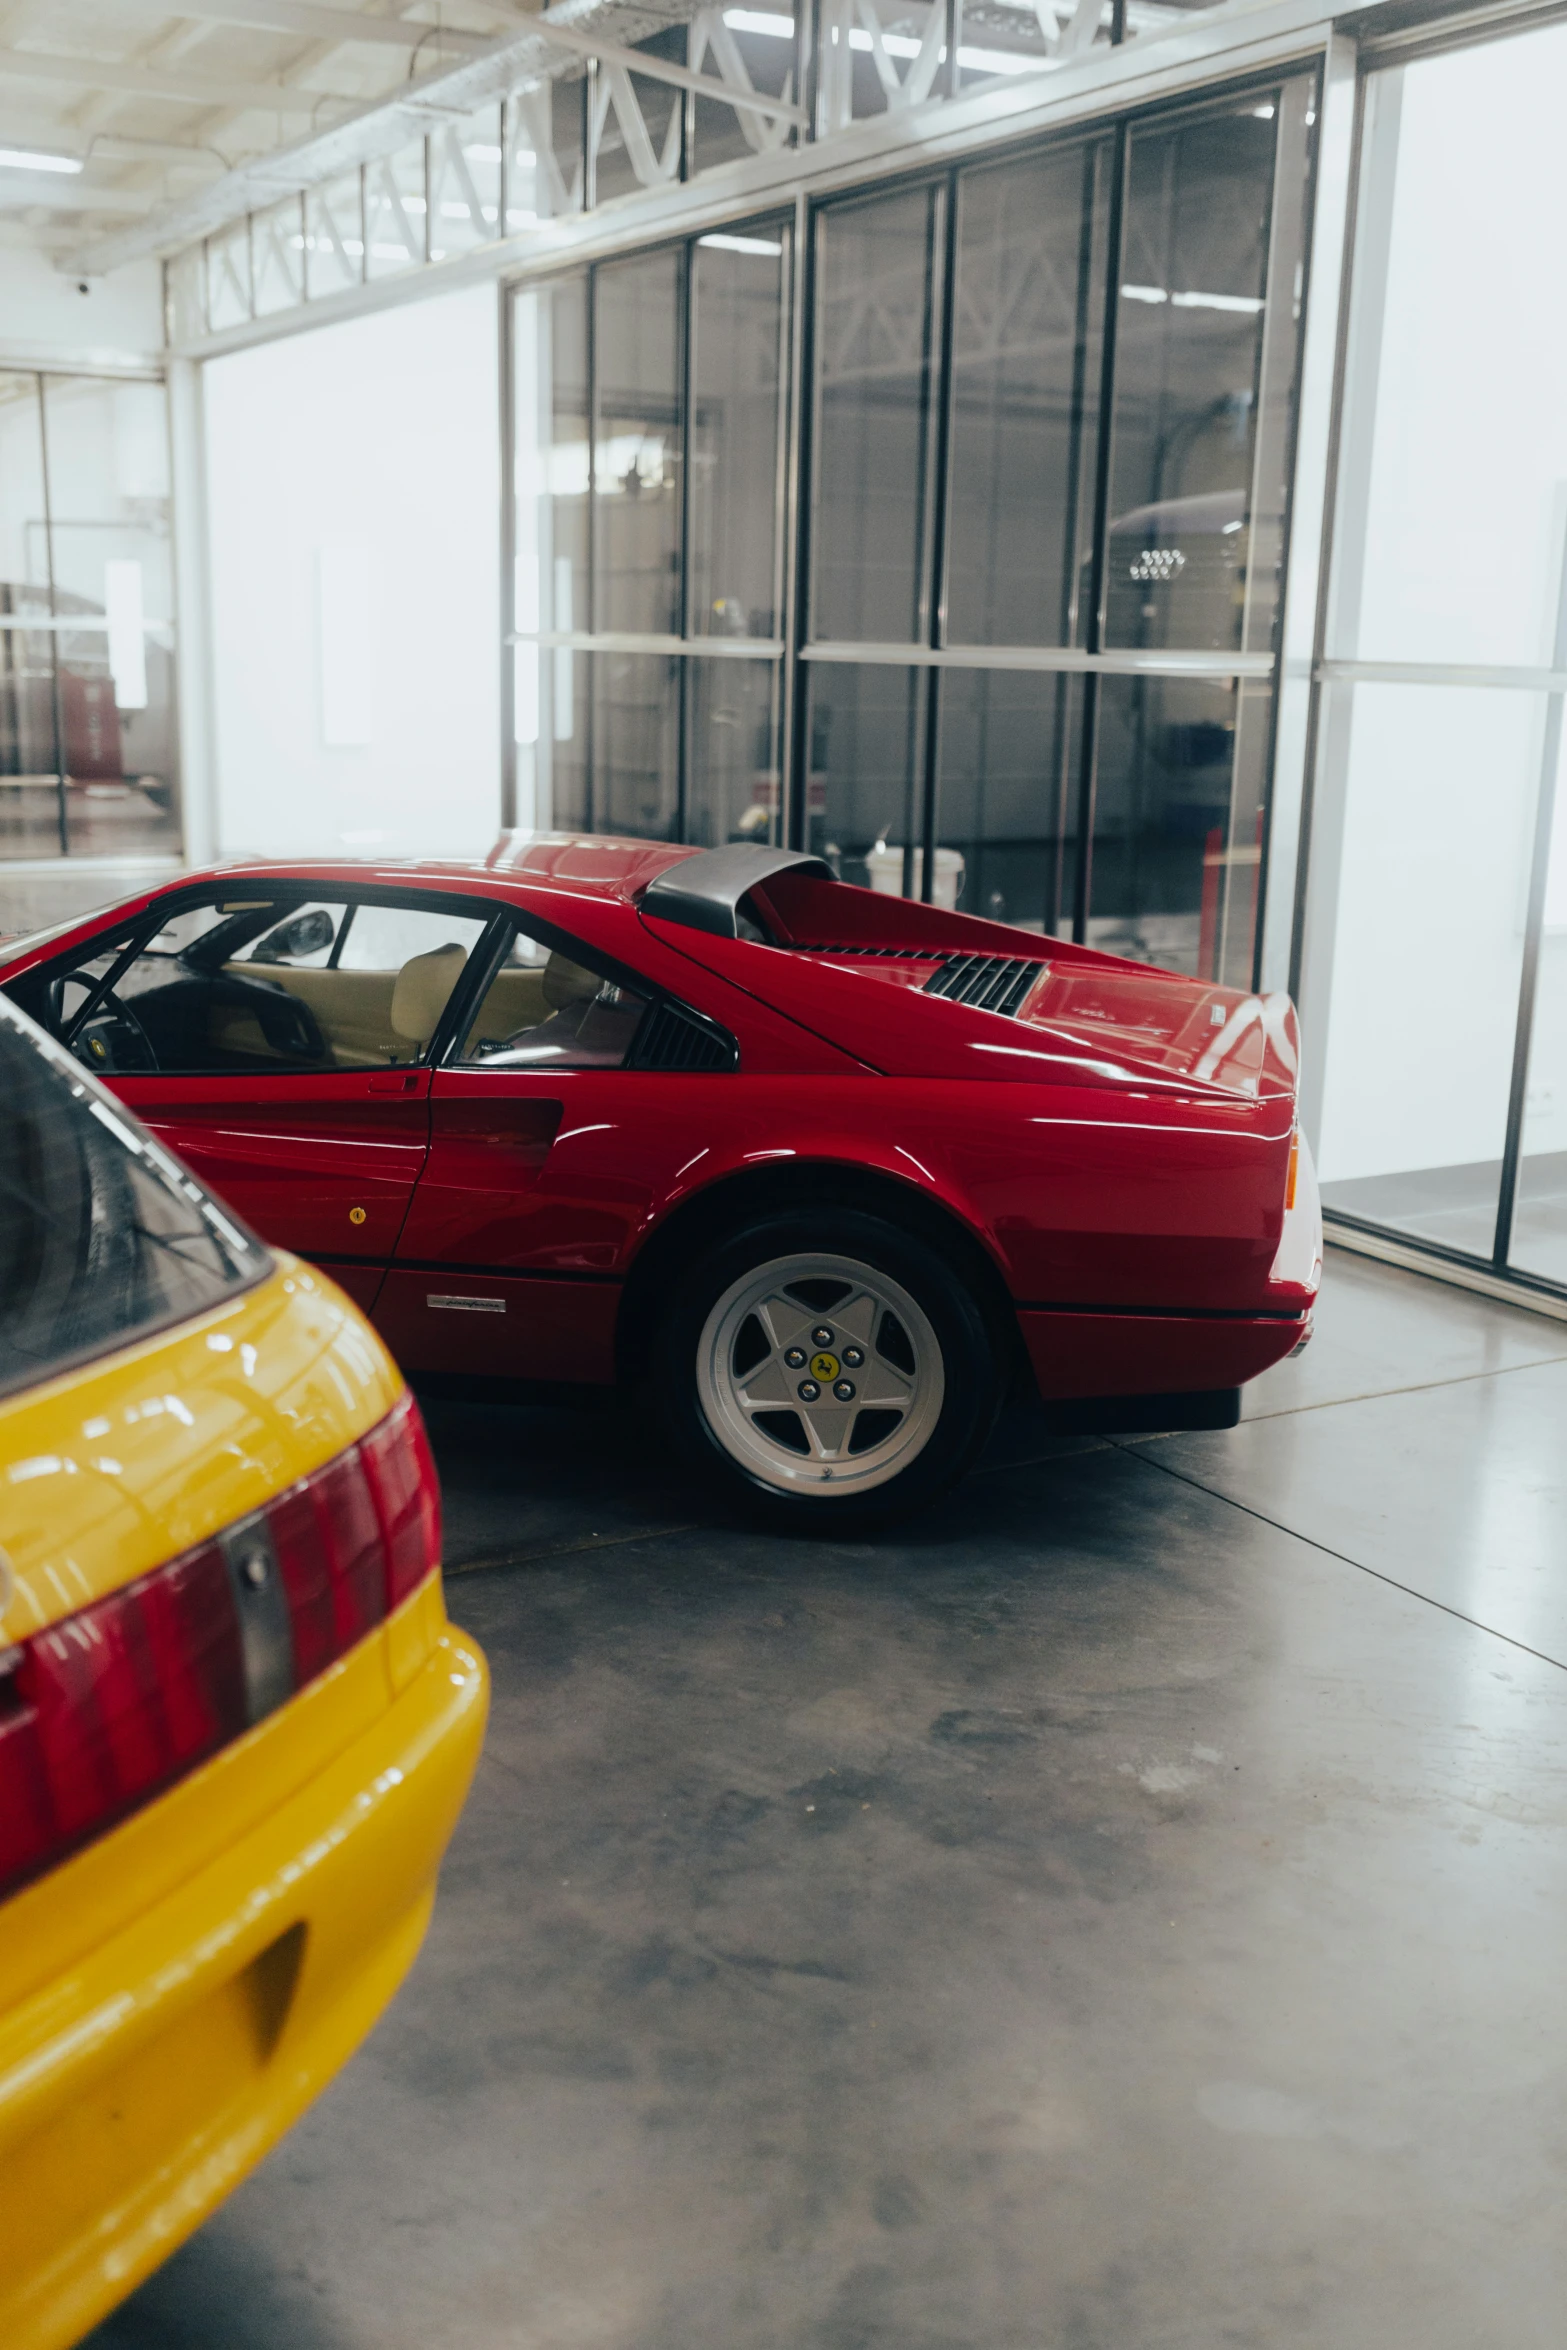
x: 990, y: 983
x: 673, y: 1038
x: 838, y: 947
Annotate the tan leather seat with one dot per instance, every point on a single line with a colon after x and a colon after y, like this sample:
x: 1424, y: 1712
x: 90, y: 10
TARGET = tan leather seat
x: 567, y: 983
x: 422, y: 991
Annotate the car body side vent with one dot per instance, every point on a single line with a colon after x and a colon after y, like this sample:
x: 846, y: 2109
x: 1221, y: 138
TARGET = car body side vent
x: 991, y: 983
x: 671, y: 1037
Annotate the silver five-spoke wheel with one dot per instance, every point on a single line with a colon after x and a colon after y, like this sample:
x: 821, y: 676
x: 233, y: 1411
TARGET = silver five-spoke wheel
x: 819, y: 1373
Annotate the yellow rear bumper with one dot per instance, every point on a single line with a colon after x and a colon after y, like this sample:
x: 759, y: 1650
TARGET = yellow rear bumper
x: 141, y: 2083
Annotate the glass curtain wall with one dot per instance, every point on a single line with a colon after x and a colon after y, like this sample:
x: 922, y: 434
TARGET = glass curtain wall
x: 1435, y: 972
x: 1052, y: 405
x: 1044, y: 438
x: 88, y: 757
x: 649, y: 401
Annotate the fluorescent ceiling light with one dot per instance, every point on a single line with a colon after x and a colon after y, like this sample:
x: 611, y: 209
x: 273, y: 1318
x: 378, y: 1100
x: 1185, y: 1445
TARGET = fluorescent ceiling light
x: 484, y: 154
x: 760, y: 20
x: 1247, y: 304
x: 1263, y: 113
x: 34, y: 159
x: 742, y: 244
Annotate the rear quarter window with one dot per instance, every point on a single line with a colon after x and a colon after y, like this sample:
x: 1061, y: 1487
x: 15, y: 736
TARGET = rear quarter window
x: 103, y: 1237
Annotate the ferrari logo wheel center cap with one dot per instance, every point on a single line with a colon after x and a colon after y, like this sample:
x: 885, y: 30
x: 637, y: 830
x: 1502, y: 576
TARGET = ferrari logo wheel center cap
x: 824, y: 1367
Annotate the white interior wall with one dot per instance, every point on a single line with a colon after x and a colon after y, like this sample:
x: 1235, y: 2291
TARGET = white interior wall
x: 1463, y: 561
x: 353, y: 512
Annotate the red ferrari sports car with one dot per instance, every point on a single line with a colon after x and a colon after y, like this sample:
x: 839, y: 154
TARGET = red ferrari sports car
x: 823, y: 1171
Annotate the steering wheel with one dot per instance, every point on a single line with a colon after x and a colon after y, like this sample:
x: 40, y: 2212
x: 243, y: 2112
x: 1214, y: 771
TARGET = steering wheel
x: 101, y: 1042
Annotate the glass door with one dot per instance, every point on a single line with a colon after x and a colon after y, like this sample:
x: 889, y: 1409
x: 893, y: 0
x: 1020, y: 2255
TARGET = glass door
x: 1434, y: 971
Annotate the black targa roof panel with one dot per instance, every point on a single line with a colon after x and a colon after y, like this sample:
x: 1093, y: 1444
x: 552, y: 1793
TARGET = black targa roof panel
x: 704, y: 892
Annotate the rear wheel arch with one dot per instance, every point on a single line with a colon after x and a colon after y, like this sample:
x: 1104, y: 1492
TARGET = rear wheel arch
x: 727, y: 1204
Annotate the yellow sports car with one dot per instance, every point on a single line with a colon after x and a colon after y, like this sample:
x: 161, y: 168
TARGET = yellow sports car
x: 236, y: 1728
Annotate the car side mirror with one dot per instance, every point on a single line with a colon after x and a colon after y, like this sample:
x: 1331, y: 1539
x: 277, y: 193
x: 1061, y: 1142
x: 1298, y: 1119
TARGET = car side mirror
x: 307, y: 934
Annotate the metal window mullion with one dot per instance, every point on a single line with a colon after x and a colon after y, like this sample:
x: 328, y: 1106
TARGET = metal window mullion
x: 304, y: 247
x: 806, y: 430
x: 508, y: 406
x: 807, y: 67
x: 685, y: 303
x: 916, y: 790
x: 939, y: 453
x: 590, y: 552
x: 1088, y: 768
x: 56, y: 696
x: 1261, y: 374
x: 1534, y: 926
x: 1068, y: 615
x: 1120, y: 661
x: 786, y: 506
x: 1285, y: 256
x: 685, y: 366
x: 590, y: 135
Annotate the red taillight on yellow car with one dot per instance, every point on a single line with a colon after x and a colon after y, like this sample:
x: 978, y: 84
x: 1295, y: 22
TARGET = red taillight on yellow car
x: 1294, y: 1170
x: 107, y: 1708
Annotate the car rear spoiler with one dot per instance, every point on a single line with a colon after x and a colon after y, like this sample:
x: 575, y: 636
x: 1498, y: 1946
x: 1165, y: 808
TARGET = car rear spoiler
x: 704, y: 892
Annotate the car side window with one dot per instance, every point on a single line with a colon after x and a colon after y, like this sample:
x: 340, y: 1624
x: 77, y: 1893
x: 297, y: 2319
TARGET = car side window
x: 260, y: 984
x: 543, y: 1009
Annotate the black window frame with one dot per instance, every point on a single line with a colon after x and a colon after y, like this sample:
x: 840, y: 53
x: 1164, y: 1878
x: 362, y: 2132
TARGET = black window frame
x: 156, y: 917
x: 609, y: 967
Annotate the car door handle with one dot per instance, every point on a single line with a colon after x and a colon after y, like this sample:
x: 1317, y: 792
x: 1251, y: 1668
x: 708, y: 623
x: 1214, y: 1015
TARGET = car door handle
x: 396, y: 1081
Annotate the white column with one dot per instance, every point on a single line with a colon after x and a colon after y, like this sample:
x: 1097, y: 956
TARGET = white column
x: 193, y: 643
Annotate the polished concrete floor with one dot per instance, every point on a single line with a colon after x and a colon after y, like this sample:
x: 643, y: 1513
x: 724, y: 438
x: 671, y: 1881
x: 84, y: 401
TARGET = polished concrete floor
x: 1124, y: 1911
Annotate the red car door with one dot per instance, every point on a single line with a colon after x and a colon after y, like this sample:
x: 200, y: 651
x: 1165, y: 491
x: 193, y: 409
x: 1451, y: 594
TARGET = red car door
x: 280, y: 1047
x: 545, y: 1152
x: 324, y: 1165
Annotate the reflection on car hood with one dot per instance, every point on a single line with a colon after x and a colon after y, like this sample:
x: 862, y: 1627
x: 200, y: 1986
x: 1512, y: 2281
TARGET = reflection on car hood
x: 1140, y: 1021
x: 914, y: 990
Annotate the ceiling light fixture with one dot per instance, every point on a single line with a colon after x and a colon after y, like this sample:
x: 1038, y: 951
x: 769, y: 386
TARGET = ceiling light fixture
x: 34, y: 159
x: 760, y: 20
x: 726, y: 244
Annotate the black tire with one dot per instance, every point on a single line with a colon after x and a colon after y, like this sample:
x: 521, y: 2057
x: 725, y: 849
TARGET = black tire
x: 970, y: 1367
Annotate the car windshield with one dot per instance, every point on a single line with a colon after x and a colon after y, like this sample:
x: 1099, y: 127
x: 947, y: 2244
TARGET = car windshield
x: 27, y: 942
x: 103, y: 1237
